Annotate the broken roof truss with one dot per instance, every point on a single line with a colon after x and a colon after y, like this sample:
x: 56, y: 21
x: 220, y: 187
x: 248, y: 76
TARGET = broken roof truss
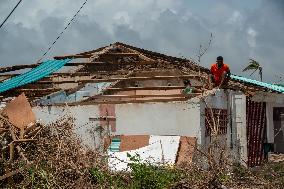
x: 132, y: 74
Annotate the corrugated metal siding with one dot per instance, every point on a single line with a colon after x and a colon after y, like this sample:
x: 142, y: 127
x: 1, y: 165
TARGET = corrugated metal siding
x: 44, y: 69
x: 256, y: 123
x: 259, y: 83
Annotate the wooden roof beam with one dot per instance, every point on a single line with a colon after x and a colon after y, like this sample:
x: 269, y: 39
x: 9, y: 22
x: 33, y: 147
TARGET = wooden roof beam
x: 145, y: 88
x: 143, y: 96
x: 20, y: 67
x: 124, y: 79
x: 119, y: 55
x: 17, y: 67
x: 127, y: 101
x: 73, y: 56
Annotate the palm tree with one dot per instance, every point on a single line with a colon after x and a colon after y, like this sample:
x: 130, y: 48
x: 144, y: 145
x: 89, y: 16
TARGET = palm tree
x: 254, y: 65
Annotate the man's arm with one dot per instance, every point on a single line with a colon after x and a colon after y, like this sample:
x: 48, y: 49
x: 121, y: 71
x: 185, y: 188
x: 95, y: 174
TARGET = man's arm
x: 211, y: 79
x: 225, y: 77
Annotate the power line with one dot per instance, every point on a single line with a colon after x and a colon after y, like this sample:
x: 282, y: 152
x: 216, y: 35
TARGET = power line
x: 62, y: 31
x: 59, y: 35
x: 10, y: 13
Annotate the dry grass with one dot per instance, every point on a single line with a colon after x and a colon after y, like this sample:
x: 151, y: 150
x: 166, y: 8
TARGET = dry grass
x: 59, y: 160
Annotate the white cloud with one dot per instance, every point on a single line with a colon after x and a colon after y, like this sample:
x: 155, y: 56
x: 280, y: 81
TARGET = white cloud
x: 236, y: 18
x: 251, y: 37
x: 167, y: 26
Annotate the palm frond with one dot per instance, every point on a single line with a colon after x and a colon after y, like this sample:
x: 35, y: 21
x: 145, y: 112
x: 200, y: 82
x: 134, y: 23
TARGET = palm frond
x: 253, y: 65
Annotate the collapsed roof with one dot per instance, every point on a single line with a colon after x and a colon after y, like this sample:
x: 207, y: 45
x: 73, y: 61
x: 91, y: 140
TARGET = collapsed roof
x: 123, y: 67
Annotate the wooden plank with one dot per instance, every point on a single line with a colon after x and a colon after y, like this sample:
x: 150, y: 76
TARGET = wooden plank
x: 38, y: 90
x: 119, y: 55
x: 148, y: 88
x: 135, y: 101
x: 124, y: 79
x: 89, y: 55
x: 17, y: 67
x: 144, y: 96
x: 20, y: 67
x: 119, y: 101
x: 11, y: 149
x: 104, y: 118
x: 106, y: 64
x: 25, y: 140
x: 117, y: 72
x: 73, y: 56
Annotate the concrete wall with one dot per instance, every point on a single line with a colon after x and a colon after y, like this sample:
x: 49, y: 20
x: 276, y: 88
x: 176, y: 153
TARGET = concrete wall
x: 270, y: 123
x: 83, y: 127
x: 236, y: 138
x: 272, y: 101
x: 174, y: 118
x: 161, y: 118
x: 218, y: 101
x: 238, y: 129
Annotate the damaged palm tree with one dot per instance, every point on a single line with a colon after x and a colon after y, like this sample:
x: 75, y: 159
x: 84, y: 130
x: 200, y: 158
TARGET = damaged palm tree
x: 255, y: 66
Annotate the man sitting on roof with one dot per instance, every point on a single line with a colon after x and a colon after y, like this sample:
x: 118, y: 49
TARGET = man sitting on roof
x: 220, y: 74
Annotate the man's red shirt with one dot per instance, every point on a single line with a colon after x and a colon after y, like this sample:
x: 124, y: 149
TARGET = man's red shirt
x: 218, y: 72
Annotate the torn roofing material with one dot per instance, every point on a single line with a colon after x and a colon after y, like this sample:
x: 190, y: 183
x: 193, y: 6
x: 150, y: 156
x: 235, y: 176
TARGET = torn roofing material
x: 33, y: 75
x: 259, y: 83
x: 19, y: 112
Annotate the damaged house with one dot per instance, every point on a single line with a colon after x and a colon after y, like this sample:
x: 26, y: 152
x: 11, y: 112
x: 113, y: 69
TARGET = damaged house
x: 129, y: 100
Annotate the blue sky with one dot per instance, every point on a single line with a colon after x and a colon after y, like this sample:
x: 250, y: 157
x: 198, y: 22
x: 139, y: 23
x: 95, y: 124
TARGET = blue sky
x: 241, y: 29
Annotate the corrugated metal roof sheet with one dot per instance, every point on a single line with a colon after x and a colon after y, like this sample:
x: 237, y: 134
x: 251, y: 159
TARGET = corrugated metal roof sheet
x: 259, y: 83
x: 33, y: 75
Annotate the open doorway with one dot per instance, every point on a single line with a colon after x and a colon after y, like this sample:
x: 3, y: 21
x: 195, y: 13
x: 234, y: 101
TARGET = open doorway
x: 278, y: 119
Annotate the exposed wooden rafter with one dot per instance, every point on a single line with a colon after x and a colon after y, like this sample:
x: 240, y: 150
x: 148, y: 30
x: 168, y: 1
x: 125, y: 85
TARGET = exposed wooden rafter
x: 73, y: 80
x: 145, y: 88
x: 112, y: 101
x: 142, y: 96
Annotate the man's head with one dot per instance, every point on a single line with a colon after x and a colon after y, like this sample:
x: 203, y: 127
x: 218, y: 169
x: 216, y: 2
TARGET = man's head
x: 220, y: 61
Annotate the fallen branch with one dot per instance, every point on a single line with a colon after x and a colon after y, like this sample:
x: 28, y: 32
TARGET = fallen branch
x: 10, y: 174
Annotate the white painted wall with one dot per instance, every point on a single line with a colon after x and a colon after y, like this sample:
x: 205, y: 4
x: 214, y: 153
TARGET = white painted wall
x: 236, y: 138
x: 272, y: 101
x: 160, y: 118
x: 218, y: 100
x: 83, y: 127
x: 270, y: 123
x: 239, y: 127
x: 171, y: 118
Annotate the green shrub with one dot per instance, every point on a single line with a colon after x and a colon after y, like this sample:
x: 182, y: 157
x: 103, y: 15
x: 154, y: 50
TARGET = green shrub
x: 145, y: 175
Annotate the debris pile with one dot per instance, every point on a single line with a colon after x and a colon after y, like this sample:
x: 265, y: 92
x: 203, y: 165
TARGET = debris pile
x: 44, y: 156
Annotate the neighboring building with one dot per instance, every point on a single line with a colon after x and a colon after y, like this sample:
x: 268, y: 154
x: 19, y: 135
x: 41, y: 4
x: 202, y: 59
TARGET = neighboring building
x: 130, y: 92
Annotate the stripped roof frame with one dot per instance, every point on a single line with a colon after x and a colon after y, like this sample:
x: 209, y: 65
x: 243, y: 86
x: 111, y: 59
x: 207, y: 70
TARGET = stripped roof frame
x: 114, y: 62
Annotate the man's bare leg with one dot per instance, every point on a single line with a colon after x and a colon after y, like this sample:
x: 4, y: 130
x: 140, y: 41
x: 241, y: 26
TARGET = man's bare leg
x: 211, y: 81
x: 224, y: 80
